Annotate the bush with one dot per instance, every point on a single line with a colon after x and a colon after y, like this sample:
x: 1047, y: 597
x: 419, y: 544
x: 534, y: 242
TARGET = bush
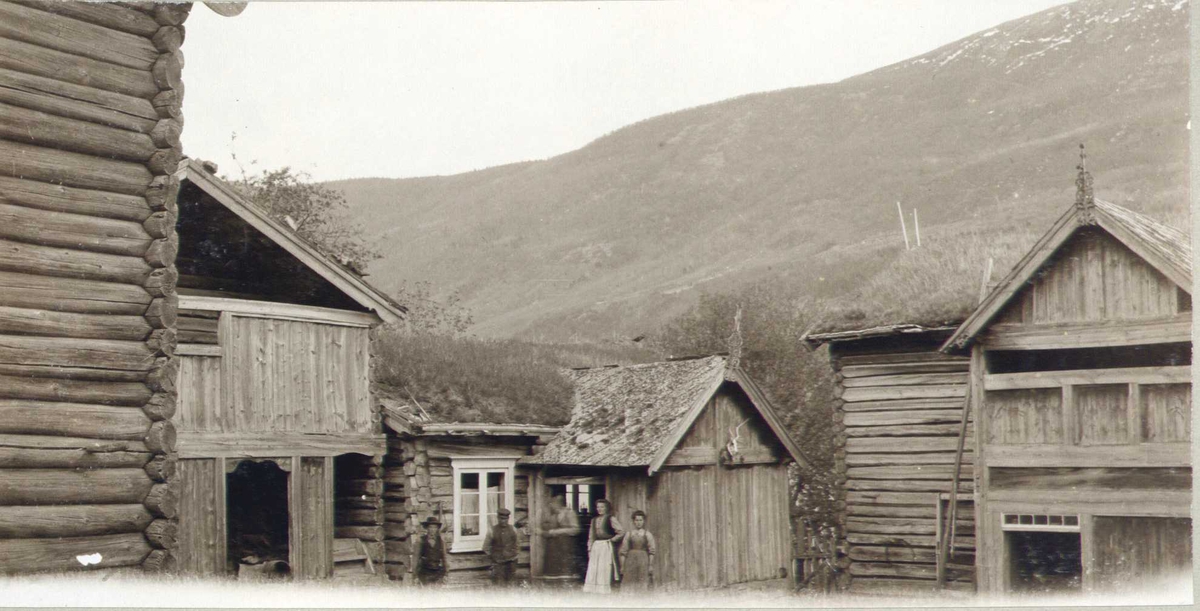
x: 466, y: 379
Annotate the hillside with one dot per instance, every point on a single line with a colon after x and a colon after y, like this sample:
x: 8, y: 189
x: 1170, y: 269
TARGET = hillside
x: 799, y: 187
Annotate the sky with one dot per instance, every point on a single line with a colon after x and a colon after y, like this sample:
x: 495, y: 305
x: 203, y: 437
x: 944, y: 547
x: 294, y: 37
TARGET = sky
x: 378, y: 89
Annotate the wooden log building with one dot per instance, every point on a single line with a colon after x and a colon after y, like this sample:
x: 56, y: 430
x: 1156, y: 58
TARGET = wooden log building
x: 279, y: 439
x: 461, y: 473
x: 1080, y: 380
x: 898, y: 416
x: 89, y: 143
x: 697, y: 446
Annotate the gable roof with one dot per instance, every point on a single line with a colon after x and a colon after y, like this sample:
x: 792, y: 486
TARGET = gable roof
x: 336, y: 274
x: 633, y: 416
x: 1166, y: 249
x: 812, y: 341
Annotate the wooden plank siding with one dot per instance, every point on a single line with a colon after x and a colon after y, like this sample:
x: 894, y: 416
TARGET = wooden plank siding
x: 1094, y: 278
x: 202, y: 527
x: 279, y: 376
x: 901, y: 438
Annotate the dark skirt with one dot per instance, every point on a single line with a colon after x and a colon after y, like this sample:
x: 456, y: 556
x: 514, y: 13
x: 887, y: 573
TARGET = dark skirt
x: 635, y: 572
x: 559, y: 560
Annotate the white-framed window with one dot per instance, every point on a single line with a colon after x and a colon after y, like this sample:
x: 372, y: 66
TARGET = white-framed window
x: 481, y: 487
x: 1039, y: 522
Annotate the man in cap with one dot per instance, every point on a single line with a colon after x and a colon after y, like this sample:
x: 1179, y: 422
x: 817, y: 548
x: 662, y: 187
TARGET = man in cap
x: 431, y: 561
x: 501, y: 547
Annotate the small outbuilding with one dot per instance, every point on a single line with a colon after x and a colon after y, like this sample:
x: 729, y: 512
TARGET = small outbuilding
x: 696, y: 445
x: 1080, y: 383
x: 462, y: 474
x: 898, y: 418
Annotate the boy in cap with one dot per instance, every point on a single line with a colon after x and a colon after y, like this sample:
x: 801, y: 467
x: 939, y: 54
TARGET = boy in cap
x: 501, y: 547
x: 431, y: 561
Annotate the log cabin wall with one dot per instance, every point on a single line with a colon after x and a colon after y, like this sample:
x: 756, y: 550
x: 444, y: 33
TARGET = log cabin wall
x: 900, y: 412
x: 1084, y: 399
x: 418, y: 482
x: 89, y: 138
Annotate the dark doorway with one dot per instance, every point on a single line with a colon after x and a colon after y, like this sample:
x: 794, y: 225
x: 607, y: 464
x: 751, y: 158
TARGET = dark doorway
x: 257, y: 509
x: 582, y: 499
x: 1045, y: 562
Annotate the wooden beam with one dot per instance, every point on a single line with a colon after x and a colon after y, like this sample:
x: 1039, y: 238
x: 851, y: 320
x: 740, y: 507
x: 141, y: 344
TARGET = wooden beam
x: 20, y: 257
x: 27, y: 321
x: 53, y: 442
x: 212, y: 350
x: 76, y: 37
x: 72, y: 520
x: 887, y: 393
x: 51, y: 63
x: 25, y: 417
x: 29, y: 458
x: 902, y: 459
x: 868, y: 419
x: 692, y: 457
x: 79, y: 102
x: 106, y: 14
x: 1088, y: 335
x: 870, y: 445
x: 909, y: 430
x: 32, y: 291
x: 59, y: 487
x: 1054, y: 379
x: 283, y: 311
x: 907, y: 379
x: 45, y: 555
x: 1141, y: 455
x: 266, y: 445
x: 31, y: 126
x: 904, y: 405
x: 39, y: 387
x: 889, y: 369
x: 72, y: 352
x: 1105, y: 502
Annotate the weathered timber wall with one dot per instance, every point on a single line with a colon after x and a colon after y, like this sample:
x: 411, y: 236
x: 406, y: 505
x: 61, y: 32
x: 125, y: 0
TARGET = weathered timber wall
x: 279, y: 376
x: 718, y: 521
x: 418, y: 482
x: 1094, y: 278
x: 89, y: 140
x: 899, y: 417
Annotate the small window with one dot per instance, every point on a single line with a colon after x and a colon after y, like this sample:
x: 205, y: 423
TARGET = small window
x: 579, y: 497
x: 1039, y: 522
x: 481, y: 487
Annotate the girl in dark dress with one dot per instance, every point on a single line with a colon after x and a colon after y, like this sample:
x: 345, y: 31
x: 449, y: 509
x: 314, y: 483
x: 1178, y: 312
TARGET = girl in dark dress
x: 637, y: 556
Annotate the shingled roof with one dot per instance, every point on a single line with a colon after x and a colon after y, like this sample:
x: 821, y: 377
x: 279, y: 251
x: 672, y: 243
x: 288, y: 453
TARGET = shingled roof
x: 632, y: 416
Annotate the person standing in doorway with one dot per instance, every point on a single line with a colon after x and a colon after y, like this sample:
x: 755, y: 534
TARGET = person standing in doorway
x: 431, y: 560
x: 637, y: 556
x: 501, y: 546
x: 560, y: 527
x: 604, y: 532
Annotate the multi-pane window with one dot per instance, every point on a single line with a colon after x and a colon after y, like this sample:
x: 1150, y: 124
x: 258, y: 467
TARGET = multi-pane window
x: 481, y: 487
x: 1029, y: 522
x: 579, y: 497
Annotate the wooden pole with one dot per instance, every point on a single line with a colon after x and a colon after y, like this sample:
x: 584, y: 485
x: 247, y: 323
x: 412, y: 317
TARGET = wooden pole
x: 947, y: 544
x: 903, y: 229
x: 917, y: 227
x: 987, y: 277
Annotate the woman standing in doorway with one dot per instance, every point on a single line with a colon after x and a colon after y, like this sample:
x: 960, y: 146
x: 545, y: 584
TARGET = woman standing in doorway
x: 604, y: 532
x: 637, y: 556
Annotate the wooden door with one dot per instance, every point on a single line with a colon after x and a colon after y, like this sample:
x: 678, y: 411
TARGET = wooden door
x: 202, y: 536
x: 311, y: 491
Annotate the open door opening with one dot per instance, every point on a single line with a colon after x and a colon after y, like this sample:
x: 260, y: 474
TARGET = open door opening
x: 257, y: 510
x: 566, y: 557
x: 1044, y: 562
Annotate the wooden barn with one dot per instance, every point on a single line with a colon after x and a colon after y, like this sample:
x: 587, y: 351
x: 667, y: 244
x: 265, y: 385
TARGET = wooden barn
x: 461, y: 473
x: 899, y: 417
x: 280, y: 444
x: 90, y: 124
x: 696, y: 445
x: 1080, y: 383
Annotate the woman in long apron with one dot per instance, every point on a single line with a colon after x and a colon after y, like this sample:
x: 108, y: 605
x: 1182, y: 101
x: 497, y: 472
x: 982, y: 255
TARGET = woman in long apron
x: 604, y: 532
x: 637, y: 556
x: 560, y: 526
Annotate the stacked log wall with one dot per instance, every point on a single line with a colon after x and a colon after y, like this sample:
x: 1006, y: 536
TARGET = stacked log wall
x: 89, y: 139
x: 418, y: 483
x: 898, y: 419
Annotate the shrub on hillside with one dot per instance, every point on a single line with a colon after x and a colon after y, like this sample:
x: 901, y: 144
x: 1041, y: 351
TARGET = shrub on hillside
x: 466, y: 379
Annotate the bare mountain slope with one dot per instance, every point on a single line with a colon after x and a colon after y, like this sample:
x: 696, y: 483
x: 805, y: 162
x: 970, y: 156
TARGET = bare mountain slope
x: 800, y: 186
